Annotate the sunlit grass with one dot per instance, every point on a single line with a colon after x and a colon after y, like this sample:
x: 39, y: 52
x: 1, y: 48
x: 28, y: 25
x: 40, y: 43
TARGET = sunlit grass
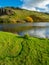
x: 26, y: 50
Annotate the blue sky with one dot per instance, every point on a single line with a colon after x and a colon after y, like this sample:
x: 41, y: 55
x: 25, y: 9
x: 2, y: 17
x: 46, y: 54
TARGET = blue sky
x: 15, y: 3
x: 36, y: 5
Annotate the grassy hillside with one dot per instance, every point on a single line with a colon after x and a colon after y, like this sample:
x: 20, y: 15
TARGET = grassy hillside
x: 17, y: 15
x: 17, y: 50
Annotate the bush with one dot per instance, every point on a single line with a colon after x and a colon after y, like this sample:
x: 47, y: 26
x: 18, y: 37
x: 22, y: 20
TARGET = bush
x: 12, y: 20
x: 4, y: 20
x: 20, y: 21
x: 26, y: 36
x: 29, y: 19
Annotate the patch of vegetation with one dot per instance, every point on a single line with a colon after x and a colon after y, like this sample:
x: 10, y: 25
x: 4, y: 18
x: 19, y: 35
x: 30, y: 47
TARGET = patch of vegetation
x: 17, y: 50
x: 18, y: 15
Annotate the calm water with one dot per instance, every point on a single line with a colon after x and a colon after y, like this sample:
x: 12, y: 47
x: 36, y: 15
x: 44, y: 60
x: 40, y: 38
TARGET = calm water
x: 37, y: 30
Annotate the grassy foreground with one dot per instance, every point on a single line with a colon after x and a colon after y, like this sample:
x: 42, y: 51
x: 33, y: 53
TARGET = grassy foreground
x: 17, y: 50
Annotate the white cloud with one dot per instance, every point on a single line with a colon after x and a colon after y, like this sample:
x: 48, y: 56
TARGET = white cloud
x: 31, y: 8
x: 43, y: 4
x: 32, y: 4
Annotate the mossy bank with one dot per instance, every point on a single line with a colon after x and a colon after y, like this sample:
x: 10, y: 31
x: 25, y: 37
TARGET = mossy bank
x: 17, y: 50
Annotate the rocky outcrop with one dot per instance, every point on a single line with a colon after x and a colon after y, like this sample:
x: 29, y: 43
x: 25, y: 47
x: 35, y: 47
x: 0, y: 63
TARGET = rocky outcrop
x: 6, y: 11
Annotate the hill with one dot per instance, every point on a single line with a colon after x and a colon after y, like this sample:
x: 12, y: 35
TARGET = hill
x: 17, y: 50
x: 18, y: 15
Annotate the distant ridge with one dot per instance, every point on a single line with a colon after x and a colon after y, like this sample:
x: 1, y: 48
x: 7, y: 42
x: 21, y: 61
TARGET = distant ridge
x: 18, y: 15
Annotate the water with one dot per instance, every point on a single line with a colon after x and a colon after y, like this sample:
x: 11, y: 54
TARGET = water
x: 38, y: 29
x: 36, y: 32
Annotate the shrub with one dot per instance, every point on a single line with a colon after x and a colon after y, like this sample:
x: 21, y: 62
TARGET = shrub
x: 20, y: 21
x: 26, y: 36
x: 4, y: 20
x: 29, y: 19
x: 12, y: 20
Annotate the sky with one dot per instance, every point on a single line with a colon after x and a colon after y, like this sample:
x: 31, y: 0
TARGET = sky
x: 35, y: 5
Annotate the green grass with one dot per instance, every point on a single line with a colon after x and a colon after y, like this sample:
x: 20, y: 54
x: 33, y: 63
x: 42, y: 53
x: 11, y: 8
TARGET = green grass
x: 17, y: 50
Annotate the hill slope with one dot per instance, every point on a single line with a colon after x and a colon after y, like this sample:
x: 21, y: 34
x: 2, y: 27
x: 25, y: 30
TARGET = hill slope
x: 17, y: 15
x: 17, y: 50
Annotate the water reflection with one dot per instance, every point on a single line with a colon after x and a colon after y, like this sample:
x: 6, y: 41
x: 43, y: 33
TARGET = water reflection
x: 37, y: 32
x: 34, y: 29
x: 41, y: 32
